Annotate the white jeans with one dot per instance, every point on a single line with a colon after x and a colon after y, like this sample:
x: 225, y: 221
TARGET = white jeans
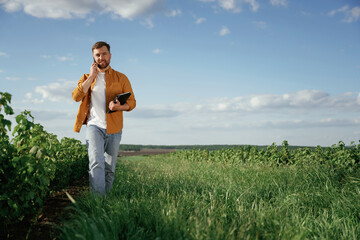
x: 103, y: 149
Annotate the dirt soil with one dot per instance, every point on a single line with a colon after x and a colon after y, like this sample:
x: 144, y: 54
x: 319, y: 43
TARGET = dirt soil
x: 44, y: 227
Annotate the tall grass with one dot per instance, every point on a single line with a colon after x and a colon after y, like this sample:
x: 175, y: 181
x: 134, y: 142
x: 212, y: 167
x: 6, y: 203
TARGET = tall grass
x: 162, y: 197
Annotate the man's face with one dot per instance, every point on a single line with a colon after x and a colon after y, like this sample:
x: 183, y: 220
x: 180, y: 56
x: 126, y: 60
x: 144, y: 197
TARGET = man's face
x: 102, y: 57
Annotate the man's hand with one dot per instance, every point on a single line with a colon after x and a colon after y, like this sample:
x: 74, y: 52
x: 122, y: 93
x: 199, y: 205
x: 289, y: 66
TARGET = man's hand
x: 92, y: 76
x: 115, y: 106
x: 93, y: 70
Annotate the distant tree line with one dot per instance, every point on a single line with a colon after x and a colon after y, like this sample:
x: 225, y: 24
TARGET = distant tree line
x: 138, y: 147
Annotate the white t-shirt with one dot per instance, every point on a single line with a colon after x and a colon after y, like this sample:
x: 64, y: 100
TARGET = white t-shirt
x: 98, y: 103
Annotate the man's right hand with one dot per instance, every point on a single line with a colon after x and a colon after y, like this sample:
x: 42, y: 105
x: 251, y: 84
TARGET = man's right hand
x: 93, y: 73
x: 93, y: 70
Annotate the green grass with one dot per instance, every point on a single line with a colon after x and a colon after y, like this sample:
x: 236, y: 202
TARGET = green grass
x: 162, y: 197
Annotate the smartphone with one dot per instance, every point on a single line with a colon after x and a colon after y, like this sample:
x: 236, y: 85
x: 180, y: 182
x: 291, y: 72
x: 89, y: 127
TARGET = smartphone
x: 95, y: 62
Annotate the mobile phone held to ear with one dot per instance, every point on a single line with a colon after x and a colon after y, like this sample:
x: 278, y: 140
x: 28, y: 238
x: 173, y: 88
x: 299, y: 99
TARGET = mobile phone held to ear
x: 121, y: 98
x: 95, y: 62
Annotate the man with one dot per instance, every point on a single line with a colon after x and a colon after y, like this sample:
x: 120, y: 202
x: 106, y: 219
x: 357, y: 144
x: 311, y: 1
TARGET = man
x: 96, y: 91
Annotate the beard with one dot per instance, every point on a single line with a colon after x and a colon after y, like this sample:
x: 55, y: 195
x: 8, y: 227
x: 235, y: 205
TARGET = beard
x: 106, y: 64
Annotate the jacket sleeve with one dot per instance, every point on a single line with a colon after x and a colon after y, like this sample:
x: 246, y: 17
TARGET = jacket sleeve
x: 78, y: 93
x: 131, y: 100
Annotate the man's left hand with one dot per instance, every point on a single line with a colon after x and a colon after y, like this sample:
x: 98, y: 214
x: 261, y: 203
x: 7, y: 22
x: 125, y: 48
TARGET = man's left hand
x: 117, y: 107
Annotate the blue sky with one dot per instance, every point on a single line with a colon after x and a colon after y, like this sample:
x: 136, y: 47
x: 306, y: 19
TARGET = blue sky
x: 203, y: 71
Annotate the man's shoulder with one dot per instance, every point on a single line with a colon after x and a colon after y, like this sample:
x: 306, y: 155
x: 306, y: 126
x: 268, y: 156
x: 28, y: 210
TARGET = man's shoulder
x: 84, y: 77
x: 116, y: 73
x: 113, y: 71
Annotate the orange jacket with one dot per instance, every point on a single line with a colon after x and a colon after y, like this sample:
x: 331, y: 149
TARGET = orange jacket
x: 115, y: 83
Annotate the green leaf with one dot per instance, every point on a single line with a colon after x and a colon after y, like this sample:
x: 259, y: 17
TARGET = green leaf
x: 20, y: 118
x: 8, y: 110
x: 39, y: 153
x: 34, y: 150
x: 6, y: 96
x: 31, y: 194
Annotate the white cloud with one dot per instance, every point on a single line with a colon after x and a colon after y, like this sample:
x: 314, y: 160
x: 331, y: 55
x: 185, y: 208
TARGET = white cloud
x: 3, y: 54
x: 351, y: 14
x: 157, y: 51
x: 342, y: 9
x: 89, y: 21
x: 49, y: 115
x: 52, y: 9
x: 305, y: 13
x: 229, y: 5
x: 173, y: 13
x: 304, y: 101
x: 45, y: 56
x: 317, y: 123
x: 54, y: 92
x: 29, y: 97
x: 67, y: 9
x: 278, y: 2
x: 64, y: 58
x: 307, y: 117
x: 260, y: 24
x: 200, y: 20
x: 11, y: 6
x: 147, y: 23
x: 131, y: 9
x: 254, y: 5
x: 236, y: 5
x: 224, y: 31
x: 12, y: 78
x: 69, y: 57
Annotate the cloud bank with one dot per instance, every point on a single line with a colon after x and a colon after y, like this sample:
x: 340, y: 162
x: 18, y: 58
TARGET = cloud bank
x: 55, y: 92
x: 236, y: 6
x: 67, y: 9
x: 305, y: 117
x: 350, y: 14
x: 301, y: 101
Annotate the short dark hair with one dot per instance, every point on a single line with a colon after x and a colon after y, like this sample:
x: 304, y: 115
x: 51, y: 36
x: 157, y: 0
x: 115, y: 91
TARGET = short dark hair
x: 100, y: 45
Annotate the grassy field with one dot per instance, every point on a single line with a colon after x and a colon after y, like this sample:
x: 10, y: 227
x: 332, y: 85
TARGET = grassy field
x: 164, y: 197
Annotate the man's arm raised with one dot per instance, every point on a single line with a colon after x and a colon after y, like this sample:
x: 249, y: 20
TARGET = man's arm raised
x: 93, y: 73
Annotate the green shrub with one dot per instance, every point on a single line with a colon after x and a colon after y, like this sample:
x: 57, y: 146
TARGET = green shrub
x: 33, y: 164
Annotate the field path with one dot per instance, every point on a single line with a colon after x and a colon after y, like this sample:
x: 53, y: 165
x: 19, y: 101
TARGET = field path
x: 53, y: 211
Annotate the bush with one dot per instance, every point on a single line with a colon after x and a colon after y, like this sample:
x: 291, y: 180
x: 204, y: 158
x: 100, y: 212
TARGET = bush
x: 33, y: 164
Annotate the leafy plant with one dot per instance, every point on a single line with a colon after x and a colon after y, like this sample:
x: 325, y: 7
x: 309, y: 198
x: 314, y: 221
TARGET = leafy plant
x: 71, y: 163
x: 33, y: 164
x: 337, y: 156
x: 29, y: 170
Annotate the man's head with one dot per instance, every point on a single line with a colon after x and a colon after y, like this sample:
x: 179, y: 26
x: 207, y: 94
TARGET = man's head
x: 101, y: 54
